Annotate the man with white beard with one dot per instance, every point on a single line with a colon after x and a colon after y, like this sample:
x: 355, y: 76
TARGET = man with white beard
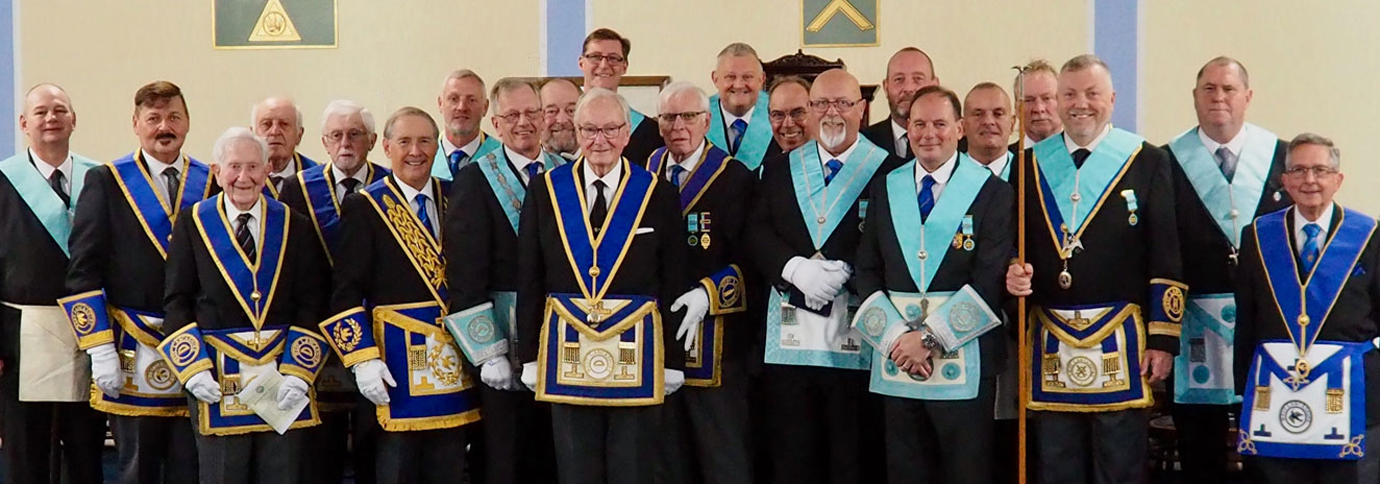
x: 804, y: 238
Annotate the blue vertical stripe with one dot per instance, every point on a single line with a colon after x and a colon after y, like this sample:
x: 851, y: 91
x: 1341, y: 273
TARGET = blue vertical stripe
x: 8, y: 114
x: 1116, y: 39
x: 565, y: 32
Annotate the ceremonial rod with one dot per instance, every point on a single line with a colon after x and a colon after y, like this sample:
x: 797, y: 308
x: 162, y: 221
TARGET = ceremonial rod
x: 1023, y: 380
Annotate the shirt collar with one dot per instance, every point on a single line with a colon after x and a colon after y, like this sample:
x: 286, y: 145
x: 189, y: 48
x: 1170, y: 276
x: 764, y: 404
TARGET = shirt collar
x: 610, y: 179
x: 729, y: 118
x: 1072, y: 147
x: 940, y: 176
x: 999, y: 165
x: 1324, y: 220
x: 1234, y: 145
x: 46, y: 169
x: 410, y: 193
x: 156, y: 166
x: 897, y: 131
x: 824, y: 156
x: 360, y: 174
x: 232, y: 212
x: 469, y: 148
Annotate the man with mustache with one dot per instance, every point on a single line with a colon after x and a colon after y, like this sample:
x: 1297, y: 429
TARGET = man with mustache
x: 789, y: 110
x: 347, y: 132
x: 987, y: 124
x: 1226, y: 173
x: 909, y: 70
x: 119, y: 244
x: 604, y: 61
x: 517, y: 432
x: 1040, y: 103
x: 388, y: 304
x: 739, y: 122
x: 278, y: 121
x: 803, y: 231
x: 462, y: 103
x: 558, y: 97
x: 1104, y: 276
x: 244, y: 295
x: 45, y: 419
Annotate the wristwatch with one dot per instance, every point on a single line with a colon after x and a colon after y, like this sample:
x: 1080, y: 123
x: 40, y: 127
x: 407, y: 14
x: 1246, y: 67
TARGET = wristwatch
x: 927, y: 338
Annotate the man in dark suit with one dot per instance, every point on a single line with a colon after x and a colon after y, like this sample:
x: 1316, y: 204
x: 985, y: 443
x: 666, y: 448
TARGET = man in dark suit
x: 1306, y: 299
x: 789, y: 111
x: 516, y: 443
x: 909, y: 70
x: 604, y: 61
x: 119, y: 244
x: 803, y: 231
x: 244, y: 292
x: 44, y: 418
x: 601, y: 257
x: 739, y: 121
x: 278, y: 121
x: 1226, y: 173
x: 558, y: 98
x: 348, y: 426
x: 936, y: 364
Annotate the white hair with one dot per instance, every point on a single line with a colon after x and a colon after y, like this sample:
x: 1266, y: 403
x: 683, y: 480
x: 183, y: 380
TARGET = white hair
x: 677, y: 88
x: 237, y: 134
x: 254, y: 111
x: 598, y: 93
x: 344, y: 107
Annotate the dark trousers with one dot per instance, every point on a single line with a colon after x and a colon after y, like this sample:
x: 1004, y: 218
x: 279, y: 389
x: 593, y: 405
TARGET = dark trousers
x: 1092, y: 447
x: 35, y: 432
x: 259, y: 457
x: 605, y: 445
x: 1202, y: 439
x: 706, y: 432
x: 941, y: 440
x: 1308, y: 471
x: 422, y: 456
x: 154, y: 450
x: 345, y: 438
x: 814, y: 419
x: 516, y: 438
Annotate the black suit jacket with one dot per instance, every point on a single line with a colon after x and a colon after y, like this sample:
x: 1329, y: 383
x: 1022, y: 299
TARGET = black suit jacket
x: 879, y: 134
x: 646, y: 138
x: 371, y: 265
x: 479, y: 242
x: 30, y: 264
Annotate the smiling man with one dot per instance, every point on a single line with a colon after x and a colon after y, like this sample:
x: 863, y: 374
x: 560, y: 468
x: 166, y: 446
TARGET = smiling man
x: 739, y: 120
x: 278, y: 121
x: 462, y: 103
x: 789, y: 111
x: 558, y: 98
x: 604, y: 61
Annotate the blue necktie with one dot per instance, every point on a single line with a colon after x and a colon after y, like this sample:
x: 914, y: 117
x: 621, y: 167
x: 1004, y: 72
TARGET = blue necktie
x: 676, y: 172
x: 533, y: 169
x: 421, y: 214
x: 926, y: 197
x: 455, y: 157
x: 1310, y: 247
x: 832, y: 168
x: 739, y: 129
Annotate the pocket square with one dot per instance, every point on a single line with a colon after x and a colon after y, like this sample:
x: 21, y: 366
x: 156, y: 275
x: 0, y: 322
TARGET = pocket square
x: 644, y: 230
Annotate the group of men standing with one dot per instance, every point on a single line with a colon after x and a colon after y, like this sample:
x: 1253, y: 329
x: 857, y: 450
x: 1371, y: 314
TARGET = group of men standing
x: 746, y: 287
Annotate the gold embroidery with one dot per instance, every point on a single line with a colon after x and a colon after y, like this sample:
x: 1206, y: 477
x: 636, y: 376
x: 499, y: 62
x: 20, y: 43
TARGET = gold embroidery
x: 1262, y: 397
x: 307, y: 352
x: 1334, y: 400
x: 184, y: 349
x: 1174, y: 303
x: 84, y: 318
x: 347, y: 335
x: 728, y: 292
x: 444, y: 365
x: 416, y: 242
x: 159, y: 376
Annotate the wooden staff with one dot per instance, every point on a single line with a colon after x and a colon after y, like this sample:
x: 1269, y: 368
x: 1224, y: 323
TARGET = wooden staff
x: 1021, y: 329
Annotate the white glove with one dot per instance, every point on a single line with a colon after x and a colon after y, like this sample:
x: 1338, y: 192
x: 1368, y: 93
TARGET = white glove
x: 529, y: 375
x: 373, y: 380
x: 291, y: 392
x: 497, y: 372
x: 674, y: 379
x: 820, y: 281
x: 203, y: 387
x: 696, y: 304
x: 105, y: 369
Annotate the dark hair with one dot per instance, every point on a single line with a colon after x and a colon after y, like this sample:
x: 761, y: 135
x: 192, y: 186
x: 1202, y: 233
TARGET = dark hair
x: 155, y: 93
x: 606, y: 34
x: 942, y: 91
x: 783, y: 80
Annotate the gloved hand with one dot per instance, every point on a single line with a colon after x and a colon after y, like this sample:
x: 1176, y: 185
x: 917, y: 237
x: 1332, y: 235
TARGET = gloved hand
x: 820, y: 281
x: 105, y: 369
x: 674, y: 380
x: 203, y: 387
x: 497, y: 372
x: 696, y: 304
x: 529, y: 375
x: 291, y: 392
x: 373, y: 379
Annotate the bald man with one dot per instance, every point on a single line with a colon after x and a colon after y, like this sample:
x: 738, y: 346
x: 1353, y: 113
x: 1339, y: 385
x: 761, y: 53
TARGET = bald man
x: 278, y: 121
x: 909, y: 70
x: 803, y: 232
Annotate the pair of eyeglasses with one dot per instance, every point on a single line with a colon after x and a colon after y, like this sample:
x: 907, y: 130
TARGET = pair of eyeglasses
x: 514, y: 116
x: 1317, y: 171
x: 797, y: 114
x: 353, y: 135
x: 612, y: 59
x: 822, y: 105
x: 607, y: 131
x: 670, y: 118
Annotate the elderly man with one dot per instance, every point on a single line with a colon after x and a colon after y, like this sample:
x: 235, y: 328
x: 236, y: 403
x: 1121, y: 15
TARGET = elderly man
x: 987, y: 124
x: 347, y: 132
x: 558, y: 98
x: 1226, y: 173
x: 1105, y: 278
x: 119, y: 245
x: 462, y: 103
x: 789, y: 111
x: 936, y: 363
x: 1039, y: 101
x: 278, y: 121
x: 602, y: 260
x: 244, y: 292
x: 604, y: 61
x: 388, y: 305
x: 43, y: 396
x: 1305, y: 329
x: 483, y: 290
x: 909, y: 70
x: 739, y: 122
x: 803, y: 231
x: 714, y: 191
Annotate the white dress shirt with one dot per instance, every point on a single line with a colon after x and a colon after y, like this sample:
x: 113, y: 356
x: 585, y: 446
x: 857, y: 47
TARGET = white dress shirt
x: 1234, y: 145
x: 1072, y: 146
x: 156, y: 167
x: 339, y: 175
x: 285, y: 174
x: 999, y: 165
x: 410, y: 194
x: 447, y: 147
x: 940, y: 176
x: 1324, y: 222
x: 610, y: 179
x: 897, y: 131
x: 255, y: 212
x: 824, y: 156
x: 729, y: 118
x: 689, y: 163
x: 520, y: 163
x: 47, y: 170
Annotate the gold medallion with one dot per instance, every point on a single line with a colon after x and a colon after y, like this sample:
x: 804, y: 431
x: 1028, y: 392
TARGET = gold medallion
x: 1133, y: 219
x: 968, y: 245
x: 1304, y: 320
x: 255, y: 295
x: 594, y: 271
x: 1065, y: 279
x: 704, y: 241
x: 958, y: 240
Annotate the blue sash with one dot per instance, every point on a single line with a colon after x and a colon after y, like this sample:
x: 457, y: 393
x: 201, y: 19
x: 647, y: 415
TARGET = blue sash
x: 318, y: 190
x: 440, y: 168
x: 422, y: 249
x: 147, y: 201
x: 301, y: 164
x: 807, y: 173
x: 1323, y: 284
x: 754, y: 142
x: 1055, y: 174
x: 506, y: 186
x: 712, y: 162
x: 595, y: 261
x: 935, y: 234
x: 40, y: 197
x: 254, y: 282
x: 1227, y: 203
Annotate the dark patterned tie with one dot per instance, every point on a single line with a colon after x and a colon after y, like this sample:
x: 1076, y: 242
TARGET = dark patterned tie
x: 1226, y: 160
x: 173, y: 181
x: 601, y: 207
x: 242, y: 236
x: 56, y: 181
x: 739, y: 128
x: 351, y: 185
x: 454, y: 161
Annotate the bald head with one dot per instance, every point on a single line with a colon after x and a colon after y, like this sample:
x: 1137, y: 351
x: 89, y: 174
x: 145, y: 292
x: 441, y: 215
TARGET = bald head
x: 279, y: 122
x: 48, y: 121
x: 836, y: 108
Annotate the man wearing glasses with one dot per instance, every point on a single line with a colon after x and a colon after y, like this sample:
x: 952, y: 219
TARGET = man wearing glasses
x: 1306, y: 300
x: 803, y: 232
x: 517, y: 438
x: 788, y: 109
x: 738, y: 117
x: 604, y: 62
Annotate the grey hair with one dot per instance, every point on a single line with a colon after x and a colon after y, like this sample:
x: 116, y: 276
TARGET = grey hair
x: 1082, y: 62
x: 507, y: 85
x: 463, y: 74
x: 680, y: 87
x: 598, y: 93
x: 233, y: 135
x: 1223, y: 60
x: 1333, y: 153
x: 343, y: 107
x: 739, y: 49
x: 254, y: 111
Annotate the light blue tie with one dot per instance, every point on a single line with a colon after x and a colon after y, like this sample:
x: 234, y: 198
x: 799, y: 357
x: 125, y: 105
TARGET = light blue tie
x: 455, y: 157
x: 421, y: 214
x: 739, y: 129
x: 677, y: 172
x: 926, y: 197
x: 1310, y: 247
x: 832, y: 167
